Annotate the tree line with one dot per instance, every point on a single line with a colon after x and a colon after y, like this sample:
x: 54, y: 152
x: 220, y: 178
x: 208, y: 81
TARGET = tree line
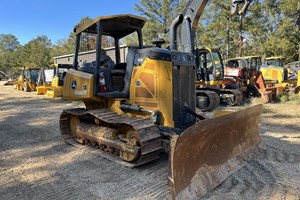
x: 270, y: 28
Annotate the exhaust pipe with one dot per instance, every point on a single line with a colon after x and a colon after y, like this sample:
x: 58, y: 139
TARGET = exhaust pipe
x: 173, y: 31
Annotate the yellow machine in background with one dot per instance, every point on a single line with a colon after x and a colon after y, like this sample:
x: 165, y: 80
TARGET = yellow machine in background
x: 285, y: 78
x: 298, y: 81
x: 273, y: 69
x: 44, y: 81
x: 54, y: 87
x: 138, y: 109
x: 246, y: 72
x: 27, y: 80
x: 211, y: 87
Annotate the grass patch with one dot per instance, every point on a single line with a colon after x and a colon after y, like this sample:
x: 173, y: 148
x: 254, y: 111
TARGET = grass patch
x: 293, y: 98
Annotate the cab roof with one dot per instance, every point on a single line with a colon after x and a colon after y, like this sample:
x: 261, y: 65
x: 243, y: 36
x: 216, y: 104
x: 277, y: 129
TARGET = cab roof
x: 251, y: 57
x: 30, y: 68
x: 115, y: 26
x: 243, y: 58
x: 275, y: 57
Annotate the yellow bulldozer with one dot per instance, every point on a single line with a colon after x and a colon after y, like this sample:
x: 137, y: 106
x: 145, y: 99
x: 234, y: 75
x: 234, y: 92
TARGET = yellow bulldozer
x: 273, y: 69
x: 44, y: 80
x: 52, y: 86
x: 27, y: 80
x: 286, y: 78
x: 146, y: 106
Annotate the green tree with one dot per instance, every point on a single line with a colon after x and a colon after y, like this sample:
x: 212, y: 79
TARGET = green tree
x: 160, y: 14
x: 37, y: 52
x: 8, y: 42
x: 9, y: 46
x: 268, y: 29
x: 67, y: 45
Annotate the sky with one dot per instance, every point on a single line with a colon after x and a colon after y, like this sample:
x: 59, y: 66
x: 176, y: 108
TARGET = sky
x: 27, y: 19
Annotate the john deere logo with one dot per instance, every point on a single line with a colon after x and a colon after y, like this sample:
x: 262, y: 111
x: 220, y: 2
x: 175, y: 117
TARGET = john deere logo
x: 74, y: 84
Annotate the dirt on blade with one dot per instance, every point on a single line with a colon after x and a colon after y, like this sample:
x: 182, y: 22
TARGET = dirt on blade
x: 35, y: 162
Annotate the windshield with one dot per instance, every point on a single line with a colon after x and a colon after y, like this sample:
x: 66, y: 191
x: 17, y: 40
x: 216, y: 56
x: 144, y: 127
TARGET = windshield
x: 34, y: 74
x: 211, y: 66
x: 274, y: 62
x: 217, y: 59
x: 237, y: 63
x: 254, y: 63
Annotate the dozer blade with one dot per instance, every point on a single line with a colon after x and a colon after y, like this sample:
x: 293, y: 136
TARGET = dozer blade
x: 204, y: 155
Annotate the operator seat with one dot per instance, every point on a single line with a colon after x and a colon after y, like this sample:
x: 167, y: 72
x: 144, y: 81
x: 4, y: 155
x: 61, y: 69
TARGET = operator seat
x: 129, y: 61
x: 90, y: 67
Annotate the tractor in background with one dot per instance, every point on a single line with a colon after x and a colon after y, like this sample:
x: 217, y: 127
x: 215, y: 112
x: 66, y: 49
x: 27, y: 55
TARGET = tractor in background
x: 27, y: 80
x: 245, y: 72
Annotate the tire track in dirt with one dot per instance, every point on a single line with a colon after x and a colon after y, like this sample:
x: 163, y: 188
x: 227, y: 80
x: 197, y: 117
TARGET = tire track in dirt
x: 273, y: 175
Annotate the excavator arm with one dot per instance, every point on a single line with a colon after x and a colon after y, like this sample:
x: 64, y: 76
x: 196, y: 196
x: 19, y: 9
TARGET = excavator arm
x: 191, y: 16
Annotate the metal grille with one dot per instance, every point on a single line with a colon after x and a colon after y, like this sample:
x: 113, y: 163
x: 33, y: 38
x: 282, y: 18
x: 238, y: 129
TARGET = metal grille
x: 87, y: 48
x: 184, y: 94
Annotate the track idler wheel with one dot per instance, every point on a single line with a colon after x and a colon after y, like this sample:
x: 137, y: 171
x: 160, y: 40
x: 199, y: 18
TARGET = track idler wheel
x: 132, y: 142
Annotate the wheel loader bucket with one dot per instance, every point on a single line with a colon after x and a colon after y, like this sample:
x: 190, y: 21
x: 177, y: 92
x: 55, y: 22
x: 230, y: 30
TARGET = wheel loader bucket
x: 204, y: 155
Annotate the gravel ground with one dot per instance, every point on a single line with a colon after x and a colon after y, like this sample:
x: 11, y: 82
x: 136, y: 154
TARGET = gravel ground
x: 35, y: 163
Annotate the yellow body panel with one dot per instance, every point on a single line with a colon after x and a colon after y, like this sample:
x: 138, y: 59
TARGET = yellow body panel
x: 52, y: 90
x: 79, y: 85
x: 298, y: 80
x: 55, y: 82
x: 18, y: 84
x: 41, y: 90
x: 151, y: 83
x: 55, y: 90
x: 270, y: 73
x: 82, y: 88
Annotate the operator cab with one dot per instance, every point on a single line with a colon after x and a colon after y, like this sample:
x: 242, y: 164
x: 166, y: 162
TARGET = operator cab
x: 210, y: 67
x: 236, y: 63
x: 31, y: 74
x: 111, y: 69
x: 277, y: 62
x: 248, y: 62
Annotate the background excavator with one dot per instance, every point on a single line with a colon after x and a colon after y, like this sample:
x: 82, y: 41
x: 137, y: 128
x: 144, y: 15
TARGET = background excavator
x: 138, y: 109
x: 246, y: 72
x: 211, y: 87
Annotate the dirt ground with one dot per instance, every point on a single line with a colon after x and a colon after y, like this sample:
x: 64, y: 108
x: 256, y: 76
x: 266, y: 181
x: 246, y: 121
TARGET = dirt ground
x: 35, y: 163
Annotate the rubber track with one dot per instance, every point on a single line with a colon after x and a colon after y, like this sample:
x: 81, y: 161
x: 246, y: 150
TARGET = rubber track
x: 214, y: 99
x: 237, y: 94
x: 149, y: 135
